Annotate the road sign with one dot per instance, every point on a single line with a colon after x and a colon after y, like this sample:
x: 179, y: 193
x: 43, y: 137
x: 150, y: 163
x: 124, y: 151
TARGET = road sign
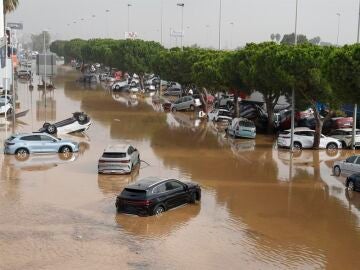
x: 174, y: 33
x: 17, y: 26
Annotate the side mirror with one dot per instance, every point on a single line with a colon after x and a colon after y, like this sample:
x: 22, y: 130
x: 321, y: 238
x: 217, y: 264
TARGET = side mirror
x: 54, y: 140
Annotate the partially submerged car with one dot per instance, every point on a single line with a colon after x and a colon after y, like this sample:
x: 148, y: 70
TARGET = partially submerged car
x: 24, y: 74
x: 152, y: 196
x: 118, y: 159
x: 242, y: 128
x: 352, y: 182
x: 5, y: 107
x: 121, y: 86
x: 344, y: 135
x: 79, y: 122
x: 304, y: 138
x: 219, y: 115
x: 185, y: 103
x: 22, y: 145
x: 348, y: 166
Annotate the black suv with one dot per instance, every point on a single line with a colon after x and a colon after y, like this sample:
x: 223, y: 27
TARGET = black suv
x: 152, y: 196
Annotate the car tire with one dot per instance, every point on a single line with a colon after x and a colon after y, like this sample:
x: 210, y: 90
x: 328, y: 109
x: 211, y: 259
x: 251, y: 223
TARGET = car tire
x: 117, y: 87
x: 337, y: 171
x: 66, y: 156
x: 173, y: 109
x: 65, y: 149
x: 332, y: 146
x: 193, y: 198
x: 350, y: 186
x: 81, y: 117
x: 51, y: 129
x: 46, y: 124
x: 158, y: 210
x: 22, y: 154
x: 192, y: 108
x: 297, y: 146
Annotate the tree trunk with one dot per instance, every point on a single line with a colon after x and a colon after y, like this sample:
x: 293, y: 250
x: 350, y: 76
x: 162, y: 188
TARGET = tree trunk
x: 141, y: 81
x: 270, y: 123
x: 203, y: 100
x: 318, y: 128
x: 236, y: 104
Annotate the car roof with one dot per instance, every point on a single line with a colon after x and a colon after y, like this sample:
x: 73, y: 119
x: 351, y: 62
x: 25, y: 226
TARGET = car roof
x: 29, y: 134
x: 148, y: 182
x: 117, y: 148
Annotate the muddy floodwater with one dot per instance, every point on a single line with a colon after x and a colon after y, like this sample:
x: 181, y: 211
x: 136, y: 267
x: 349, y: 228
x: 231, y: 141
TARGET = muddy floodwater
x: 260, y: 209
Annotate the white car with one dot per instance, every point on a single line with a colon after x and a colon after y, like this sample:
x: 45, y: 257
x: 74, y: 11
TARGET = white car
x: 304, y: 138
x: 121, y: 85
x: 79, y: 122
x: 219, y: 115
x: 344, y: 135
x: 5, y: 107
x: 349, y: 166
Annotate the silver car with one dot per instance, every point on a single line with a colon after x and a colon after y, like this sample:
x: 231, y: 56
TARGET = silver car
x: 118, y: 159
x: 185, y: 103
x: 24, y: 144
x: 348, y: 166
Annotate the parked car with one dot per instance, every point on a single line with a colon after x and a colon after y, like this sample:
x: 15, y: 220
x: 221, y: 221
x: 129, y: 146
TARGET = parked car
x: 153, y: 196
x: 219, y: 115
x: 353, y: 182
x: 337, y: 123
x: 242, y: 128
x: 173, y: 91
x: 344, y: 135
x: 5, y: 107
x: 349, y: 165
x: 118, y: 159
x: 185, y: 103
x: 24, y: 74
x: 304, y: 138
x: 225, y: 101
x: 79, y: 122
x: 24, y: 144
x: 121, y: 86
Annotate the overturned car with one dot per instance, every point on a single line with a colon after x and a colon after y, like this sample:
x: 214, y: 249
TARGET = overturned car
x: 79, y: 122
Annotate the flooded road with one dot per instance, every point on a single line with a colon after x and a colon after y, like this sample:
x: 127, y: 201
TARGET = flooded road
x: 258, y: 209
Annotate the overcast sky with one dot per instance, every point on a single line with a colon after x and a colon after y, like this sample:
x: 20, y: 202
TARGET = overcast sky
x: 253, y: 20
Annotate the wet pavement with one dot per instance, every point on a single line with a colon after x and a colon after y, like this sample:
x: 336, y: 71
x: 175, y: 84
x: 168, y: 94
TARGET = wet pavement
x: 260, y: 209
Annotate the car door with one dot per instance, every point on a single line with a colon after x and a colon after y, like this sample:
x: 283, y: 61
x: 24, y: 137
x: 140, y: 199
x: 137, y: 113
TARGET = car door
x: 307, y: 139
x: 181, y: 104
x: 355, y: 168
x: 177, y: 195
x: 33, y: 143
x: 48, y: 144
x: 348, y: 164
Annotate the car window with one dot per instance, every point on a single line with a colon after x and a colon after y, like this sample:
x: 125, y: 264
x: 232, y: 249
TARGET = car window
x: 159, y: 189
x: 130, y: 150
x: 173, y: 185
x: 46, y: 138
x: 31, y: 138
x: 358, y: 161
x: 351, y: 159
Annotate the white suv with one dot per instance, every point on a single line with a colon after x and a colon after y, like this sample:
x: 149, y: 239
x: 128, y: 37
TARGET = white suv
x: 304, y: 138
x: 344, y: 135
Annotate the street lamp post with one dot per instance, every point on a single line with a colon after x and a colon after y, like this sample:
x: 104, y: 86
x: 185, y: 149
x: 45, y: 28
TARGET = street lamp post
x: 231, y: 35
x: 293, y: 89
x: 220, y: 13
x: 182, y: 23
x: 45, y: 71
x: 128, y: 22
x: 355, y: 105
x: 161, y: 22
x: 338, y: 29
x: 107, y: 22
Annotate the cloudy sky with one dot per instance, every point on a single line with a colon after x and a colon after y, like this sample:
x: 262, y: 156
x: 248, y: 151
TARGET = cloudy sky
x: 242, y: 20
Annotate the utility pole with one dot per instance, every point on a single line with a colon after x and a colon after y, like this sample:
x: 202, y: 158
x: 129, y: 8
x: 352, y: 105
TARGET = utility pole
x: 355, y: 105
x: 220, y: 13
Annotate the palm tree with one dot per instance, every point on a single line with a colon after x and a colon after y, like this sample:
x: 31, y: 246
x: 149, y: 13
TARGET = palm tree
x: 10, y: 5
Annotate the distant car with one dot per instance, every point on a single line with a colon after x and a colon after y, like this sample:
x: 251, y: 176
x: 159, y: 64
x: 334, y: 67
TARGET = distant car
x: 118, y: 159
x: 5, y: 107
x: 348, y: 166
x: 24, y: 144
x: 219, y: 115
x: 185, y: 103
x: 242, y: 128
x: 337, y: 123
x: 172, y: 91
x: 153, y: 196
x: 226, y: 101
x: 79, y: 122
x: 344, y: 135
x: 24, y: 74
x: 304, y: 138
x: 121, y: 86
x: 352, y: 182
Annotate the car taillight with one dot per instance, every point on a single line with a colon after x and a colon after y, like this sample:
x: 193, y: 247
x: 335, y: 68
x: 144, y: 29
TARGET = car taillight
x: 144, y: 203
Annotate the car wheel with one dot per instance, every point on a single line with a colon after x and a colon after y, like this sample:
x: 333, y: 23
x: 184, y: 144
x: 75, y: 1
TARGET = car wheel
x: 66, y: 155
x: 81, y: 117
x: 51, y: 129
x: 297, y: 146
x: 65, y: 149
x: 173, y: 109
x: 351, y: 186
x: 22, y: 154
x: 159, y: 210
x: 117, y: 87
x: 332, y: 146
x: 193, y: 197
x: 46, y: 124
x: 192, y: 108
x: 337, y: 171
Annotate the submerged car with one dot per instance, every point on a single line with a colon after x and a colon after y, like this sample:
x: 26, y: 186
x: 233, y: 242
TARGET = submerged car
x: 79, y: 122
x: 5, y: 107
x: 22, y: 145
x: 242, y: 128
x: 153, y: 196
x: 349, y: 165
x: 304, y: 138
x: 219, y: 115
x: 118, y: 159
x: 353, y: 182
x: 344, y: 135
x: 185, y: 103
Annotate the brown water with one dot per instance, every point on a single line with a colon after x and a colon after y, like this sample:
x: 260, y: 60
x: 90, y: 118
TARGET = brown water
x: 258, y: 209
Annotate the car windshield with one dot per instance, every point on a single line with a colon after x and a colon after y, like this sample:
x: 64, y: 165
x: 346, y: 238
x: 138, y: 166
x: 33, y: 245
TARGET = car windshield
x: 113, y: 155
